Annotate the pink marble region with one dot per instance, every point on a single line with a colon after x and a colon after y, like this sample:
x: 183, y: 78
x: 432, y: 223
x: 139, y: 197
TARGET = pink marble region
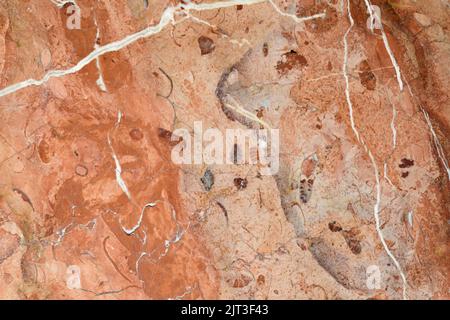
x: 92, y: 205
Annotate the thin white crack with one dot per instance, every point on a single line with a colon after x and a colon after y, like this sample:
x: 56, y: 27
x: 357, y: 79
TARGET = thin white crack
x: 100, y: 81
x: 393, y: 60
x: 118, y: 169
x: 376, y: 214
x: 144, y: 240
x: 64, y: 231
x: 178, y: 235
x: 373, y: 19
x: 175, y: 238
x: 240, y: 43
x: 386, y: 175
x: 376, y: 208
x: 393, y: 128
x: 61, y: 234
x: 294, y: 17
x: 143, y: 254
x: 188, y: 290
x: 344, y: 71
x: 437, y: 144
x: 410, y: 218
x: 138, y: 224
x: 247, y: 114
x: 436, y: 141
x: 168, y: 16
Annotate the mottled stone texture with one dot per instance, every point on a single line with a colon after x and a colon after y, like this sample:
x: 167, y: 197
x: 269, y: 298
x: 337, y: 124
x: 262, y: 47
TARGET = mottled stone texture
x: 92, y: 207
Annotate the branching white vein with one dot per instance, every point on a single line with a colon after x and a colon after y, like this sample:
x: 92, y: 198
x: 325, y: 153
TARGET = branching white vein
x: 118, y: 169
x: 344, y: 71
x: 138, y: 224
x: 386, y: 175
x: 385, y: 41
x: 168, y: 16
x: 100, y: 81
x: 294, y: 17
x: 436, y: 141
x: 437, y: 144
x: 376, y: 208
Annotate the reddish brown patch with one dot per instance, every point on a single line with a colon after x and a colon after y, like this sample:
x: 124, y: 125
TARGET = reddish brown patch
x: 366, y: 76
x: 240, y: 282
x: 44, y: 151
x: 319, y: 25
x: 291, y: 60
x: 169, y: 137
x: 352, y: 238
x: 136, y: 134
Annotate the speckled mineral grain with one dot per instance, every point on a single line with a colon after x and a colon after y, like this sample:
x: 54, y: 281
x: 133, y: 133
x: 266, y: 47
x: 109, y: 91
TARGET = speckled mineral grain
x: 92, y: 205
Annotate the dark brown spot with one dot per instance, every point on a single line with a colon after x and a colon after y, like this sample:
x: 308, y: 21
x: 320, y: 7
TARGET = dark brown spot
x: 240, y: 183
x: 329, y: 66
x: 291, y: 60
x: 260, y: 113
x: 206, y: 45
x: 352, y: 238
x: 406, y: 163
x: 44, y: 151
x: 239, y: 7
x: 334, y: 226
x: 241, y: 282
x: 168, y: 136
x: 366, y: 76
x: 265, y: 49
x: 405, y: 174
x: 261, y: 280
x: 354, y: 245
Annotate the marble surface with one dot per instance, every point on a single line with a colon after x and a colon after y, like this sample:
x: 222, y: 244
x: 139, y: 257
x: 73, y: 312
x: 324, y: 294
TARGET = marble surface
x: 92, y: 205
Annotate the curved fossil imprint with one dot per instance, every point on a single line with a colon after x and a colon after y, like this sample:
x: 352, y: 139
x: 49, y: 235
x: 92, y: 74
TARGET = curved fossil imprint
x: 93, y: 206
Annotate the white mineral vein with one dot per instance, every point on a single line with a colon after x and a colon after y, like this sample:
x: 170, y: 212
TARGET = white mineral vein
x: 436, y: 141
x: 376, y: 208
x: 138, y: 224
x: 100, y: 81
x: 118, y: 169
x: 374, y: 16
x: 168, y: 16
